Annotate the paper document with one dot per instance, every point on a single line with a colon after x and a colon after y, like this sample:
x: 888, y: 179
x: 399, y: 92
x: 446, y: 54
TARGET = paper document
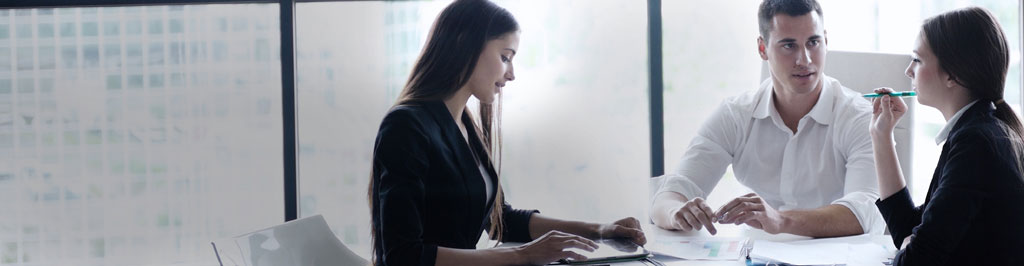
x: 850, y: 251
x: 701, y: 248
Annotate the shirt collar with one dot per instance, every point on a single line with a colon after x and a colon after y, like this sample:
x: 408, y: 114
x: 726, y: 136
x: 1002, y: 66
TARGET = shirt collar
x: 944, y: 133
x: 821, y: 112
x: 763, y: 107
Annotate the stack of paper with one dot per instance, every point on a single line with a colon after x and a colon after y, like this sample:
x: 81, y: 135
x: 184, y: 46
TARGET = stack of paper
x: 856, y: 250
x: 797, y: 254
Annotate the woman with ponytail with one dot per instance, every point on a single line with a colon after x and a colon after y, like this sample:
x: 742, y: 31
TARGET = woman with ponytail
x: 435, y: 186
x: 974, y: 211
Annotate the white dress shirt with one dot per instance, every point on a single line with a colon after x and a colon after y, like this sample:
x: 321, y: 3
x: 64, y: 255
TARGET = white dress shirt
x: 944, y: 133
x: 828, y: 160
x: 488, y: 185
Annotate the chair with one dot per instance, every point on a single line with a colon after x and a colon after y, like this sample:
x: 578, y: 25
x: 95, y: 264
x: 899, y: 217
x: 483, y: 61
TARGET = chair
x: 303, y: 242
x: 863, y: 72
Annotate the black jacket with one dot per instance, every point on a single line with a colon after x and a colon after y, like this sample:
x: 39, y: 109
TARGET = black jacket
x: 428, y: 190
x: 974, y: 211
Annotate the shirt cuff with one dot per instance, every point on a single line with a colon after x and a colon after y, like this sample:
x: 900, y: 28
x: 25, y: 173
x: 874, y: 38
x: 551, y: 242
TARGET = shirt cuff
x: 867, y: 215
x: 679, y: 184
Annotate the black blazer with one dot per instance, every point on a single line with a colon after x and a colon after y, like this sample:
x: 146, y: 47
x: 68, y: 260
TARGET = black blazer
x: 428, y: 190
x: 974, y: 211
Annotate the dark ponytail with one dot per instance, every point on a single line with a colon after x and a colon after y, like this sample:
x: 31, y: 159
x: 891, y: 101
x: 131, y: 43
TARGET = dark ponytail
x: 1005, y: 113
x: 1012, y: 124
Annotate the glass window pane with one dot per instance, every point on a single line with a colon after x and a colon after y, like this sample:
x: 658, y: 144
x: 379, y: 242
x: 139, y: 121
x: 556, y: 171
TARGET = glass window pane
x: 156, y: 26
x: 177, y: 53
x: 111, y: 28
x: 47, y: 57
x: 705, y: 63
x: 573, y: 77
x: 134, y: 82
x: 569, y: 51
x: 24, y: 31
x: 112, y: 55
x: 5, y: 88
x: 89, y: 28
x: 69, y: 55
x: 25, y: 58
x: 96, y: 168
x: 133, y: 54
x: 133, y: 27
x: 156, y: 80
x: 5, y: 59
x: 46, y: 30
x: 25, y: 87
x: 90, y: 55
x: 176, y: 25
x: 156, y: 54
x: 67, y: 29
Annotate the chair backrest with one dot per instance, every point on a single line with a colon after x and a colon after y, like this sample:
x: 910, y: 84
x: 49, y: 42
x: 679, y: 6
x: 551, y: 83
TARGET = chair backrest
x: 302, y: 242
x: 863, y: 72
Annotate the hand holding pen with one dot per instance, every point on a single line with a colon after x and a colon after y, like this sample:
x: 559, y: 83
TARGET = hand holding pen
x: 887, y: 109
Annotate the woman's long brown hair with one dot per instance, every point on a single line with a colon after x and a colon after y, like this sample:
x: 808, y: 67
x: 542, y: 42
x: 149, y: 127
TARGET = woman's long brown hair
x: 972, y: 48
x: 446, y: 64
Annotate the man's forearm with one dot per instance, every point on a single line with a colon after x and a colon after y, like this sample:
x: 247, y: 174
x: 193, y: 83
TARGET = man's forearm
x: 829, y: 221
x: 662, y: 208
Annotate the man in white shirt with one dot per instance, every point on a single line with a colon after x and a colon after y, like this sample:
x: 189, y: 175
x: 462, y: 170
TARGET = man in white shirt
x: 800, y: 142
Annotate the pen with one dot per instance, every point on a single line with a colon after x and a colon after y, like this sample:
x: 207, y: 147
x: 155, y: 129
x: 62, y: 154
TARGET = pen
x: 894, y: 94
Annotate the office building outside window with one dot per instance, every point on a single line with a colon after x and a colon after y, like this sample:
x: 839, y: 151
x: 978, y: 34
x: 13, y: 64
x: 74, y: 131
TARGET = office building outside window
x: 136, y: 135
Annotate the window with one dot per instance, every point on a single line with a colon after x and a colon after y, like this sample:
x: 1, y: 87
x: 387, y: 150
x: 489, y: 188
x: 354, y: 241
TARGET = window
x: 574, y: 118
x: 705, y: 63
x: 100, y: 167
x: 344, y: 89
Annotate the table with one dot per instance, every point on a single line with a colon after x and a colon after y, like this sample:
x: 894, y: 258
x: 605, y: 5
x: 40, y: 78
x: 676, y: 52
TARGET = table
x: 727, y: 230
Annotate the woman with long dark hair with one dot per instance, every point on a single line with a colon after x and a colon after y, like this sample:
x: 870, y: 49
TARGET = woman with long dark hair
x: 974, y: 211
x: 435, y: 187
